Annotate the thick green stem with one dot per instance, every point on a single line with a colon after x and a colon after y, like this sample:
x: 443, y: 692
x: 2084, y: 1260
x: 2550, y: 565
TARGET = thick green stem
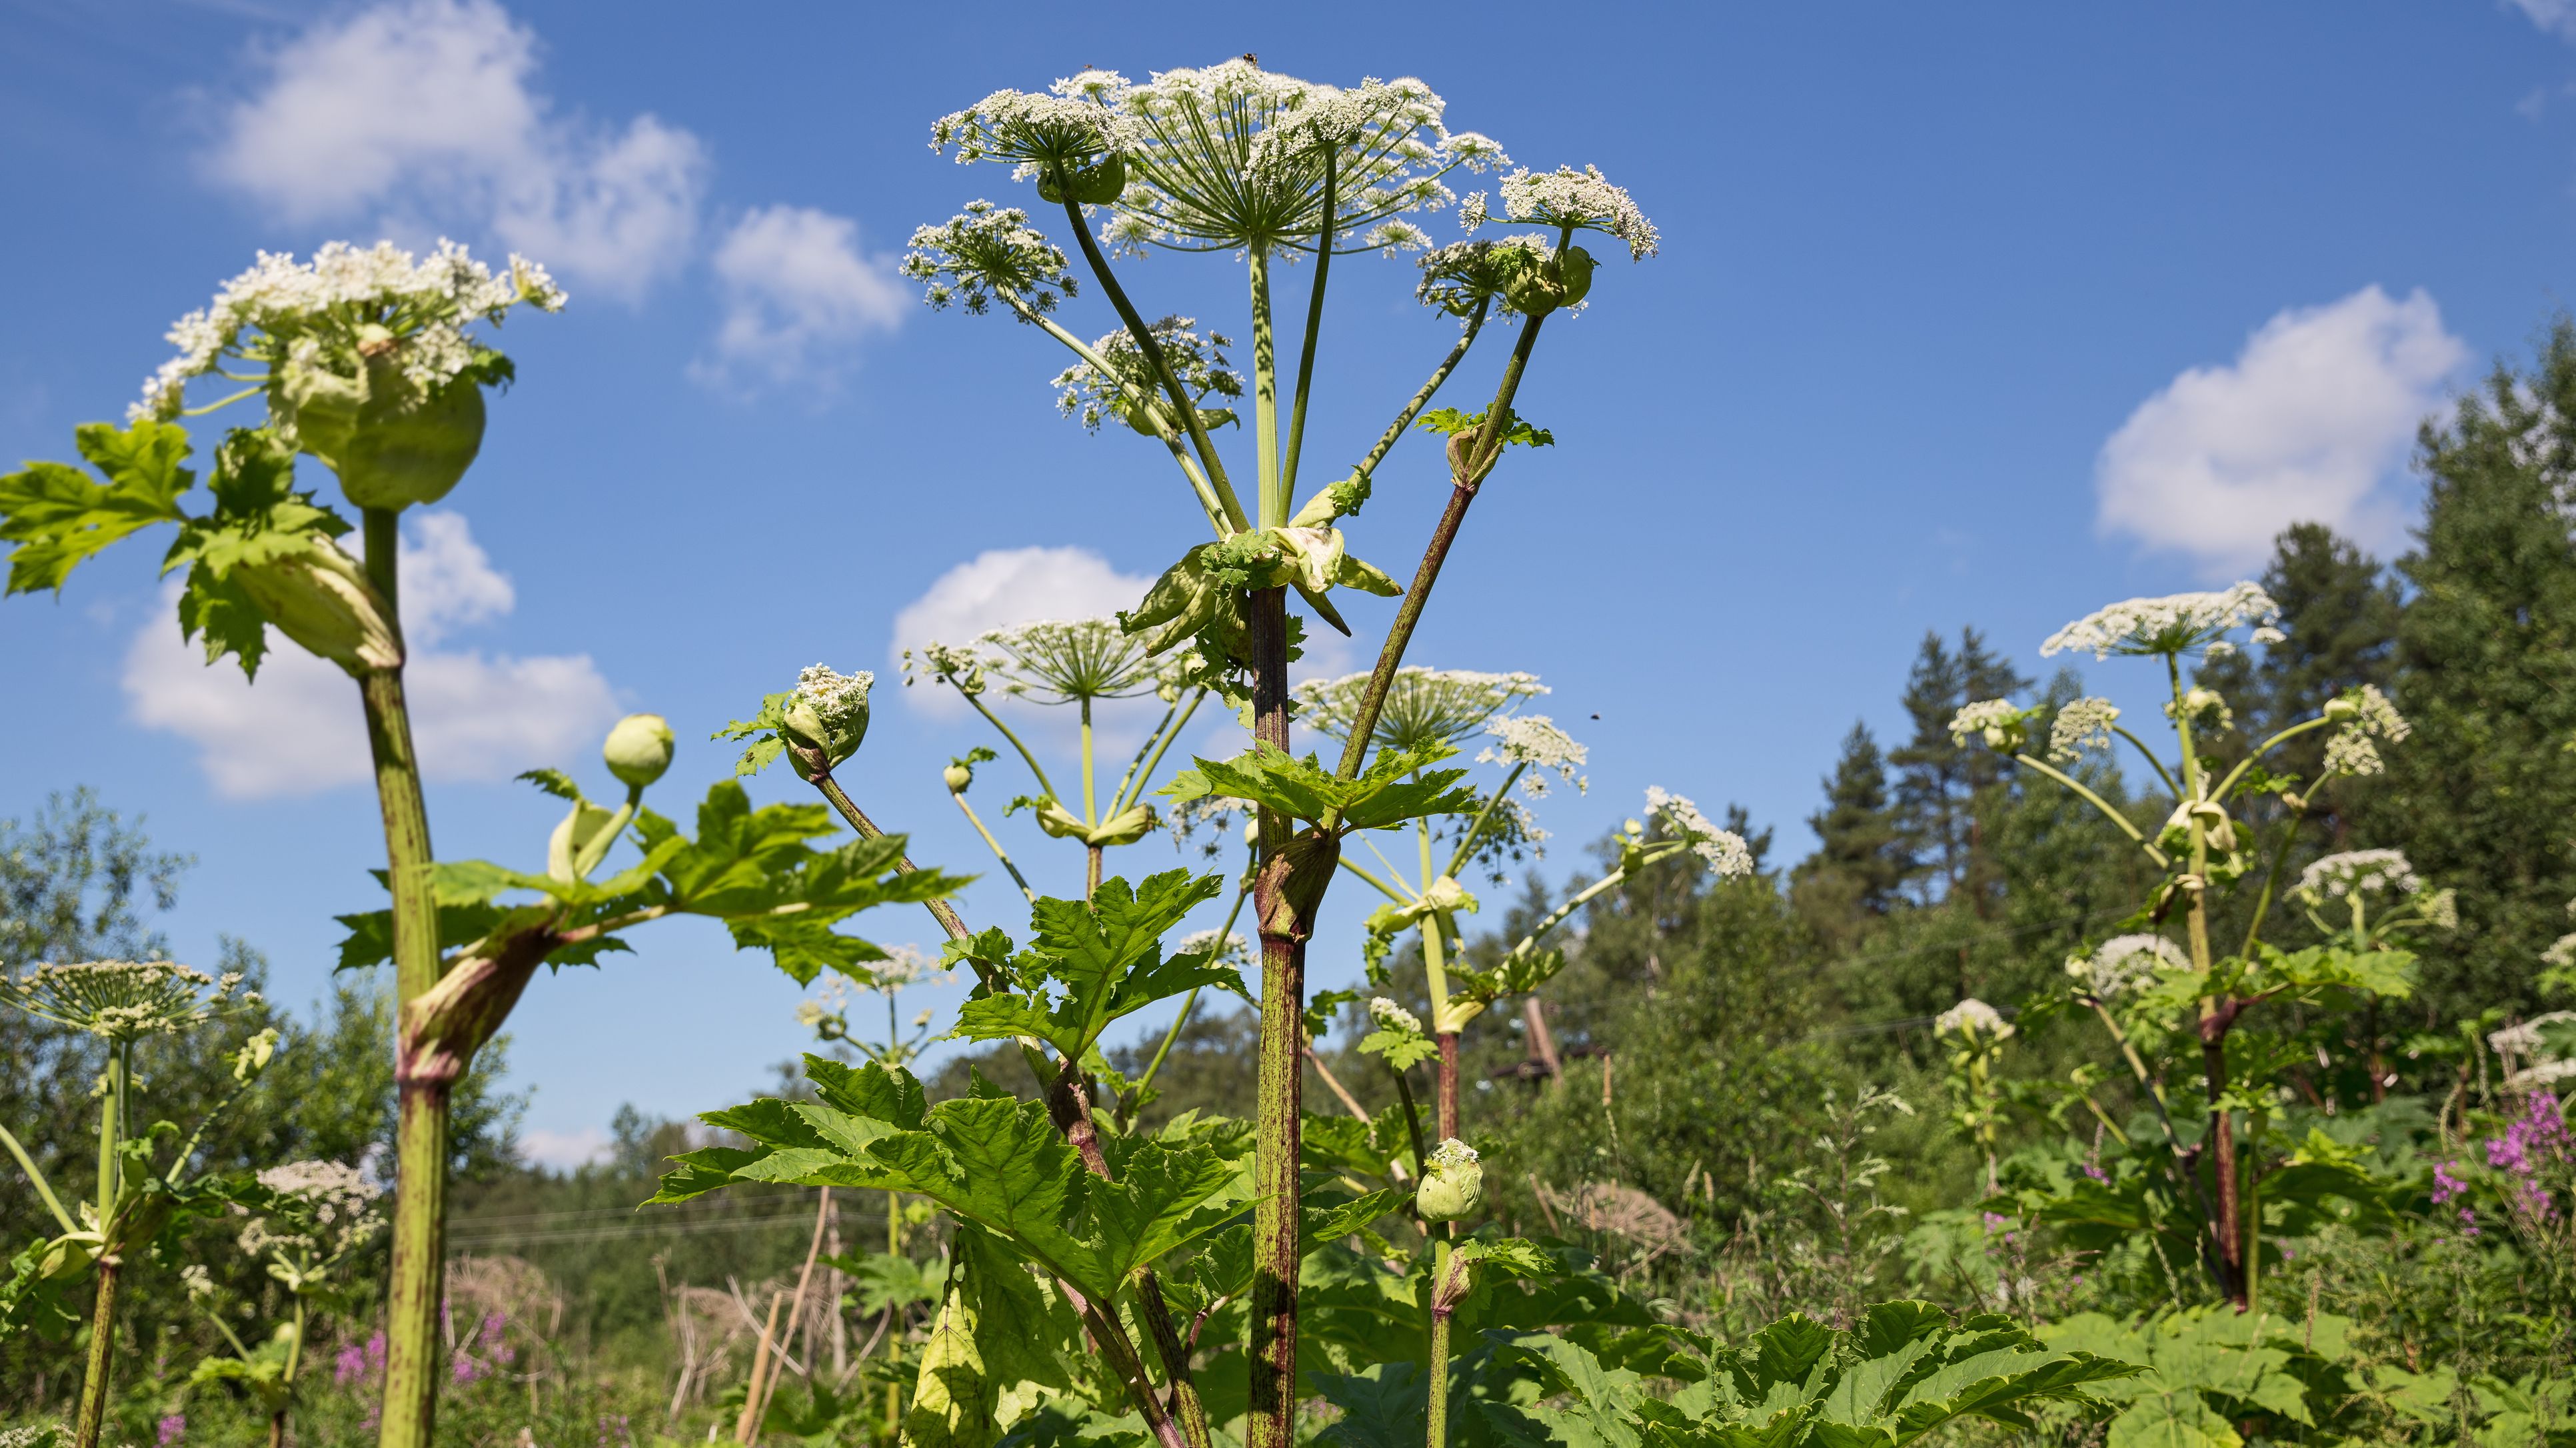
x: 1090, y: 800
x: 2216, y: 1016
x: 1272, y: 496
x: 1290, y: 883
x: 1436, y: 1422
x: 102, y: 1355
x: 420, y: 1146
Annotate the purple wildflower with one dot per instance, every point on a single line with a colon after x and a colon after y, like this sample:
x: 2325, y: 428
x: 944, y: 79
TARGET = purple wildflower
x: 173, y: 1429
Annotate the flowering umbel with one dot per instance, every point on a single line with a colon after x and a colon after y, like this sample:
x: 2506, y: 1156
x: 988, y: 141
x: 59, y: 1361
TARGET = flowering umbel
x: 367, y: 361
x: 125, y: 1000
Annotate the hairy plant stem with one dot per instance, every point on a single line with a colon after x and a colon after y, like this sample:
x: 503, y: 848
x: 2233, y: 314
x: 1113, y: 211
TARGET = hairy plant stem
x: 421, y: 1121
x: 1295, y: 870
x: 2217, y: 1014
x: 1408, y: 614
x: 102, y: 1354
x: 1436, y: 1419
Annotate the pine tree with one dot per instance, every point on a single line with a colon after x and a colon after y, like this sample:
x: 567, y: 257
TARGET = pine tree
x: 1857, y: 873
x: 1939, y: 781
x: 2483, y: 797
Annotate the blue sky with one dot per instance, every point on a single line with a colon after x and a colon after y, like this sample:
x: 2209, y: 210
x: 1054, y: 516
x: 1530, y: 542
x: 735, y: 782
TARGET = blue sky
x: 1963, y: 316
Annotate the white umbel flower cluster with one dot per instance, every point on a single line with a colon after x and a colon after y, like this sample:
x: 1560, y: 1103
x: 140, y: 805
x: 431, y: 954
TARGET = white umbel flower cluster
x: 2080, y: 726
x: 1996, y: 721
x: 2371, y: 872
x: 1063, y: 661
x: 1568, y: 199
x: 1197, y: 362
x: 1231, y: 155
x: 279, y: 304
x: 1974, y: 1019
x: 837, y: 697
x: 1535, y: 741
x: 1393, y: 1017
x: 2366, y: 715
x: 329, y: 1213
x: 1233, y: 950
x: 2352, y: 753
x: 2174, y: 624
x: 986, y: 251
x: 1451, y: 1154
x: 1423, y: 706
x: 2121, y: 962
x: 1723, y: 851
x: 1034, y: 130
x: 124, y: 1000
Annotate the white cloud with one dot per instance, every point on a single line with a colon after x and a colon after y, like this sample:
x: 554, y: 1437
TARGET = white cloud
x: 427, y: 108
x: 2555, y: 16
x: 1000, y: 587
x: 2310, y: 423
x: 564, y: 1150
x: 795, y: 285
x: 298, y: 730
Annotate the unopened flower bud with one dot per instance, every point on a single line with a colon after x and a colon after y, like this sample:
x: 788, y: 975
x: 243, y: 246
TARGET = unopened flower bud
x: 957, y: 777
x: 2341, y: 709
x: 1452, y: 1183
x: 639, y: 749
x: 320, y: 598
x: 393, y: 441
x: 826, y: 718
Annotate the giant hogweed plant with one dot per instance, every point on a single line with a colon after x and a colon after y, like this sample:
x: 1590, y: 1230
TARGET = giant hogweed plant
x: 368, y: 361
x: 2151, y: 993
x: 1234, y: 160
x: 148, y: 1188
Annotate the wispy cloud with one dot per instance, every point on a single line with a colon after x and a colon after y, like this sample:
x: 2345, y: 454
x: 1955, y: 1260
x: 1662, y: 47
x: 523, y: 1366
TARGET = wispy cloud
x: 426, y: 115
x: 2310, y: 423
x: 796, y: 289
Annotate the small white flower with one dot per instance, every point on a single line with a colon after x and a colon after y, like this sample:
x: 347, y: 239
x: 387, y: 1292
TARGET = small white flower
x: 2174, y: 624
x: 1974, y: 1019
x: 1723, y: 851
x: 1394, y: 1017
x: 2351, y: 752
x: 837, y: 697
x: 1566, y: 197
x: 2374, y: 872
x: 1452, y: 1153
x: 2122, y: 961
x: 2083, y: 724
x: 322, y: 306
x: 1235, y: 950
x: 2561, y: 953
x: 1534, y: 740
x: 1997, y: 721
x: 198, y: 1281
x: 2441, y: 909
